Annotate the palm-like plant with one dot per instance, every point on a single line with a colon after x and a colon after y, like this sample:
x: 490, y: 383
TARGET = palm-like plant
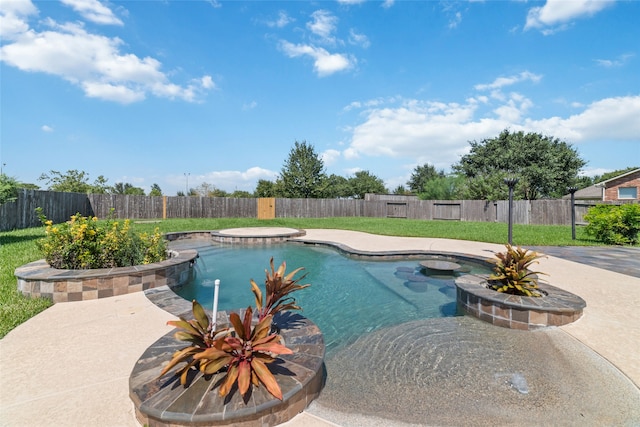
x: 512, y: 275
x: 246, y: 353
x: 278, y: 285
x: 199, y: 332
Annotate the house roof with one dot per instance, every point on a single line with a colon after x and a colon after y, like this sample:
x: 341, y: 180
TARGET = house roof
x: 588, y: 193
x: 604, y: 183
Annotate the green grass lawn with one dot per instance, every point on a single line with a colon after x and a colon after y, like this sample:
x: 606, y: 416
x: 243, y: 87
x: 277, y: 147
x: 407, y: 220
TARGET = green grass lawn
x: 19, y: 247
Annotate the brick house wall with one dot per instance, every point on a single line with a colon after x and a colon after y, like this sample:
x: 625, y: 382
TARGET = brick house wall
x: 631, y: 180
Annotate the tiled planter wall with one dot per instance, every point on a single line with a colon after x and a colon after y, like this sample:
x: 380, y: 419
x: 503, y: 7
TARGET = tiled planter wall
x: 38, y: 279
x: 557, y: 308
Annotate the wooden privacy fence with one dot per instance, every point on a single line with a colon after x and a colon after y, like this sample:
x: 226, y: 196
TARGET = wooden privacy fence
x: 60, y: 206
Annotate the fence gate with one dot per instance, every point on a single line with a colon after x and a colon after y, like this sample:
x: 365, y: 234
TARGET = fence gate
x: 266, y: 208
x: 396, y: 210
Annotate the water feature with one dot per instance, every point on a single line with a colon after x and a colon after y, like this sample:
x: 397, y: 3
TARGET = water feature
x: 348, y: 297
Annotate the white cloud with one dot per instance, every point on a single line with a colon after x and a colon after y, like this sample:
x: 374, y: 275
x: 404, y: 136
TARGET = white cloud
x: 558, y: 13
x: 207, y: 82
x: 323, y: 25
x: 95, y: 63
x: 455, y: 21
x: 513, y: 109
x: 250, y: 106
x: 352, y: 171
x: 231, y: 180
x: 420, y: 130
x: 594, y: 172
x: 94, y: 11
x: 46, y: 128
x: 358, y: 39
x: 438, y: 133
x: 13, y: 16
x: 282, y: 21
x: 330, y: 156
x: 350, y: 2
x: 501, y: 82
x: 369, y: 103
x: 325, y: 63
x: 111, y: 92
x: 617, y: 62
x: 606, y: 119
x: 387, y: 3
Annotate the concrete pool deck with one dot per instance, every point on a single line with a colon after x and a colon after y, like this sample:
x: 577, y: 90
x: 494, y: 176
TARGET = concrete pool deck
x: 70, y: 364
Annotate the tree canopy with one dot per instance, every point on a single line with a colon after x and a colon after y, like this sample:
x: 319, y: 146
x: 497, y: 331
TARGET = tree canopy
x: 8, y: 188
x: 336, y: 186
x: 126, y: 188
x: 303, y: 173
x: 73, y: 181
x: 446, y: 187
x: 421, y: 175
x: 155, y: 190
x: 543, y: 165
x: 364, y: 182
x: 265, y: 188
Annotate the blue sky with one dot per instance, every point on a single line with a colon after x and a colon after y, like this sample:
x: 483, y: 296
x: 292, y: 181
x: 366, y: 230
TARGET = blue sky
x: 148, y: 91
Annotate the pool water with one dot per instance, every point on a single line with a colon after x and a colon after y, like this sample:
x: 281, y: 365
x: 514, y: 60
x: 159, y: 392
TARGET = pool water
x: 347, y: 298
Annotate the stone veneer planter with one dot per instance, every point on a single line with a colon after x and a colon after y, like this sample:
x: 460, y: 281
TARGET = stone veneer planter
x: 164, y: 402
x: 558, y: 307
x: 38, y: 279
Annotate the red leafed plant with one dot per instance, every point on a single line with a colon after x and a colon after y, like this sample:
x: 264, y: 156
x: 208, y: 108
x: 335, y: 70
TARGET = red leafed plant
x: 246, y: 352
x: 199, y: 332
x: 278, y: 285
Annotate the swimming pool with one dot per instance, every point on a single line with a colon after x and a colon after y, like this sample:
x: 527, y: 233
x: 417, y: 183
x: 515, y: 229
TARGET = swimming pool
x: 347, y: 298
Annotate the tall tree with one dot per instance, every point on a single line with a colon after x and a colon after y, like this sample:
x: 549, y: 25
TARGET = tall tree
x: 544, y: 166
x: 241, y: 194
x: 73, y: 181
x: 364, y: 182
x: 303, y: 173
x: 155, y: 190
x: 100, y: 186
x: 8, y: 188
x: 336, y: 186
x: 448, y: 187
x: 421, y: 175
x: 265, y: 188
x: 127, y: 188
x: 401, y: 191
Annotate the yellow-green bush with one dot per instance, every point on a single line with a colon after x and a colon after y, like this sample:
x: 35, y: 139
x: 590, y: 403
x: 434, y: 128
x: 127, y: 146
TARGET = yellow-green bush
x: 84, y: 242
x: 614, y: 224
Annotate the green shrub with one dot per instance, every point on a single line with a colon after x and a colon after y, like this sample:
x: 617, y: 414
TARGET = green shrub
x: 84, y: 242
x: 8, y: 188
x: 614, y: 224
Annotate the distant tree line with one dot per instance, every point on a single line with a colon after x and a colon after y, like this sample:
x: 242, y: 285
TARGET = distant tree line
x: 544, y: 167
